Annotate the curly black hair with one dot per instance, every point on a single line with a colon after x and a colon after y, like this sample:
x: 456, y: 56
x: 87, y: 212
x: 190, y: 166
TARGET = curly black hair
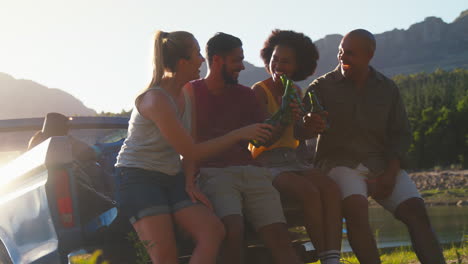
x: 306, y: 52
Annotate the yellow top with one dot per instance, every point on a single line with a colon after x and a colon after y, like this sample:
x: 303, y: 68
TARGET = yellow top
x: 287, y: 140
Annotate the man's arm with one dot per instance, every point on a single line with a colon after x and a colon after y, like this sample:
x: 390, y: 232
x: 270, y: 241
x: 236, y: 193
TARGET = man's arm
x: 399, y: 132
x: 385, y: 183
x: 399, y: 139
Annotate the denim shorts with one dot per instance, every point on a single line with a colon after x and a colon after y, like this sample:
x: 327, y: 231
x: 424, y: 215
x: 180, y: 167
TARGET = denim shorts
x: 144, y: 193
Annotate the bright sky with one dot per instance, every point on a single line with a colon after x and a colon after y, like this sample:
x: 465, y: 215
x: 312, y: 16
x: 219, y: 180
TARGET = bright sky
x: 99, y: 50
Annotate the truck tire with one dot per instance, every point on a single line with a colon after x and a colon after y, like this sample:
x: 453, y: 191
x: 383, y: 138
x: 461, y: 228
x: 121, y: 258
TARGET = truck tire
x: 4, y: 257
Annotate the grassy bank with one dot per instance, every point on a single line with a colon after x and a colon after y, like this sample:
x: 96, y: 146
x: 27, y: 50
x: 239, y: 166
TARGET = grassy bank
x: 441, y: 197
x: 405, y: 255
x: 454, y: 254
x: 449, y: 196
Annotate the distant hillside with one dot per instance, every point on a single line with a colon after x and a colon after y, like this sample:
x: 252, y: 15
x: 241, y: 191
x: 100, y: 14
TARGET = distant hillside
x: 423, y: 47
x: 24, y: 98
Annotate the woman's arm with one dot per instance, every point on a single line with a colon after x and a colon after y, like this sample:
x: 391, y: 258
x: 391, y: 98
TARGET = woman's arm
x: 191, y: 171
x: 155, y: 106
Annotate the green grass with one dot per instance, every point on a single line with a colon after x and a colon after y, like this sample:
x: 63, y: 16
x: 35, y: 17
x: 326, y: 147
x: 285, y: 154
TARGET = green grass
x: 454, y: 254
x: 404, y: 255
x: 460, y: 192
x: 449, y: 195
x: 88, y: 258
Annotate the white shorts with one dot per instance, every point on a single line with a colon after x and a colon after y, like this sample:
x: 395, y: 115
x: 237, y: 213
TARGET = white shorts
x: 353, y: 181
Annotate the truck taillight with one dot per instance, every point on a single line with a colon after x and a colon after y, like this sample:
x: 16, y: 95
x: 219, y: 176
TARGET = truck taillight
x: 63, y: 197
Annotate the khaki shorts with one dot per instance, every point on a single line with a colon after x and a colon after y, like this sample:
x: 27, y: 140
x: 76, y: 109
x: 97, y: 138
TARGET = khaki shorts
x: 353, y: 181
x: 239, y: 190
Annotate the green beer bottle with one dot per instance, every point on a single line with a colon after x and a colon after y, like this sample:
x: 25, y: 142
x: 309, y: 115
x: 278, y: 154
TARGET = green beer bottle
x: 274, y: 120
x: 290, y: 94
x: 284, y: 114
x: 317, y: 108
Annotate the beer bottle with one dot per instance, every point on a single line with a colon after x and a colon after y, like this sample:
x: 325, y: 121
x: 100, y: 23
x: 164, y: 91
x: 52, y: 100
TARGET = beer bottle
x: 274, y: 120
x: 284, y: 114
x: 317, y: 108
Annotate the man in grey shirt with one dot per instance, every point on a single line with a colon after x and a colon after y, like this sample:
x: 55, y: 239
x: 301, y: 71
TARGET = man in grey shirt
x: 364, y: 149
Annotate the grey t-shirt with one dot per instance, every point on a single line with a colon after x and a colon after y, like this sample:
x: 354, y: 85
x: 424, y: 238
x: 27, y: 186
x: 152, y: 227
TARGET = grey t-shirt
x: 146, y: 148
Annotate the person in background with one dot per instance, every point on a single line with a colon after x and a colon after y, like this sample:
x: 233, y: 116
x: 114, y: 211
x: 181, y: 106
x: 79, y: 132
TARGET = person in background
x: 364, y: 150
x: 295, y: 55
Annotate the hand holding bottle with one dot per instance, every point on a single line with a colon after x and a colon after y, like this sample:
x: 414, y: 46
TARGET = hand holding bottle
x: 290, y: 109
x: 318, y: 109
x: 314, y: 123
x: 260, y: 132
x: 296, y: 110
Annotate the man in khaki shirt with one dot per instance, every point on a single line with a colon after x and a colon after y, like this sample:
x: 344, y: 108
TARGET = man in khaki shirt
x: 364, y: 149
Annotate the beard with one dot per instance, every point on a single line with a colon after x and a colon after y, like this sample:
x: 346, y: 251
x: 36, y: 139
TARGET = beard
x: 228, y: 78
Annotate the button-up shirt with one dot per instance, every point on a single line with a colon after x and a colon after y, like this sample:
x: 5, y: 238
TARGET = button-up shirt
x: 369, y: 126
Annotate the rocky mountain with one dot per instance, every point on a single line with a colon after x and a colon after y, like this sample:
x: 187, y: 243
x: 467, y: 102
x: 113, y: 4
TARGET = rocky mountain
x: 24, y: 98
x: 424, y: 46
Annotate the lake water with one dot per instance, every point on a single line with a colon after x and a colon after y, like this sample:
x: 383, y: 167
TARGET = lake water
x: 449, y: 222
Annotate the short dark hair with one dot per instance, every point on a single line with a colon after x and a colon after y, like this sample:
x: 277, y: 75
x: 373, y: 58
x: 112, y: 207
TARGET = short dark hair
x: 221, y: 44
x: 306, y: 51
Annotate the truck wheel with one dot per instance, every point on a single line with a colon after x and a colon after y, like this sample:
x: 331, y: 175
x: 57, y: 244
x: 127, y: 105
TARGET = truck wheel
x: 4, y: 257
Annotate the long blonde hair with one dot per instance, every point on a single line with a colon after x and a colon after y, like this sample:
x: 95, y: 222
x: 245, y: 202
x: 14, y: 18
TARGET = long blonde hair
x: 169, y: 48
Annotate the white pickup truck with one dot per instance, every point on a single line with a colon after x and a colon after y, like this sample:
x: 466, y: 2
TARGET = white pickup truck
x: 50, y: 203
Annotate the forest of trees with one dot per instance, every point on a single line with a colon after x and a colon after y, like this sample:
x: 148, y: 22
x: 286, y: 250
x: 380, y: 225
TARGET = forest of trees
x: 437, y: 106
x: 123, y: 113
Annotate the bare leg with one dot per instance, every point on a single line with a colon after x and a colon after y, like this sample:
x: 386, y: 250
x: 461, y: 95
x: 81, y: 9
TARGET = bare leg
x: 276, y: 238
x: 232, y: 248
x: 413, y: 213
x: 205, y: 228
x: 356, y: 212
x: 303, y: 190
x: 157, y: 233
x: 330, y: 195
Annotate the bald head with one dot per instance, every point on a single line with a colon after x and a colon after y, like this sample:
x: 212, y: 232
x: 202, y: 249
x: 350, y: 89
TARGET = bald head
x: 366, y: 38
x: 354, y: 54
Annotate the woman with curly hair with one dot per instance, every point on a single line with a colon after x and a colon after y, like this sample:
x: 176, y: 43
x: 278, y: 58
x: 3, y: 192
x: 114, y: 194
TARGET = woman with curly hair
x: 295, y: 55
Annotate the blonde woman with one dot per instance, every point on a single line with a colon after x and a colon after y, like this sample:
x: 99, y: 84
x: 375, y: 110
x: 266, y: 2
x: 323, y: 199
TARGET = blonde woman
x: 153, y: 191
